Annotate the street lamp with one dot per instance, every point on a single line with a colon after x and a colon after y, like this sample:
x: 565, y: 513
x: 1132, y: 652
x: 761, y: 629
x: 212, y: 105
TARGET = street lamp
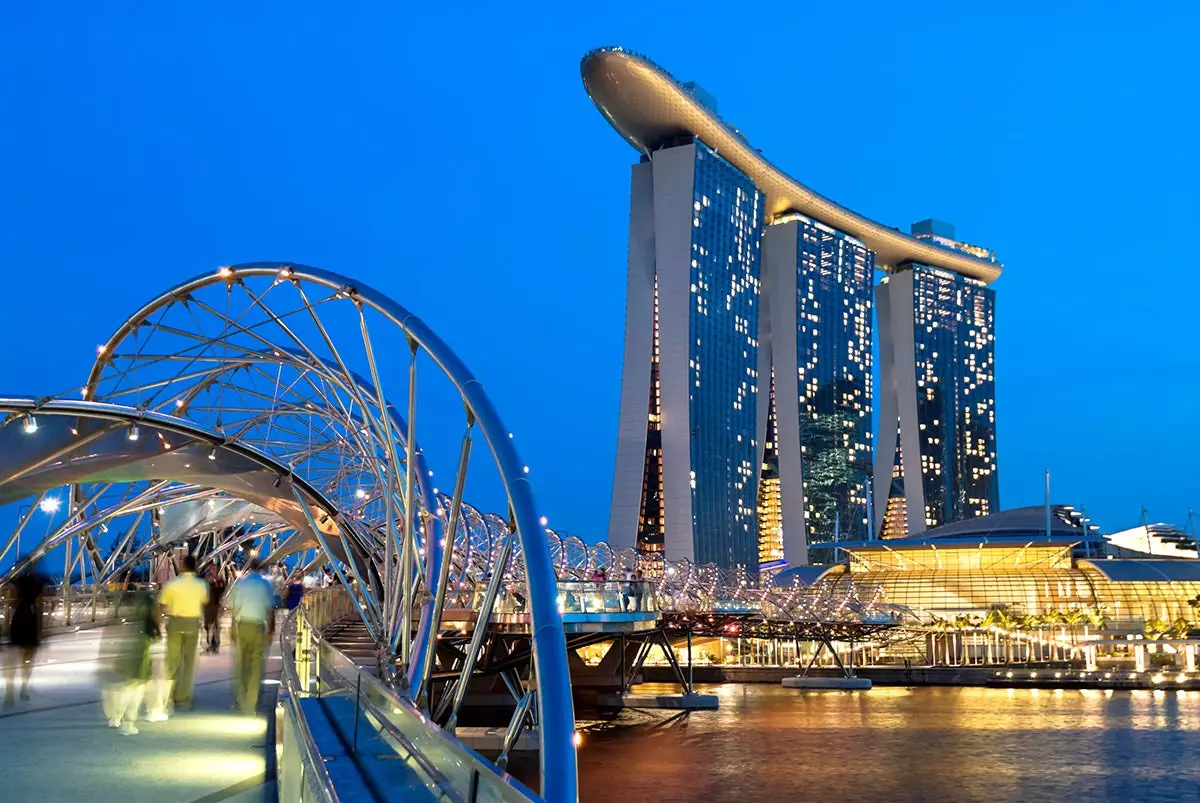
x: 48, y: 505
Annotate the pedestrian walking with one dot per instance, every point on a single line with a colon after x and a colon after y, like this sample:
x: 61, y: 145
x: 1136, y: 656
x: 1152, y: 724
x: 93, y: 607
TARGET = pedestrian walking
x: 183, y: 600
x: 25, y: 631
x: 212, y: 611
x: 250, y: 600
x: 129, y: 670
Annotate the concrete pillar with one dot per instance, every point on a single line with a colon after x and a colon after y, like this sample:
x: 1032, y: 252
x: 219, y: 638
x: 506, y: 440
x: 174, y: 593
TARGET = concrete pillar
x: 1140, y: 657
x: 1089, y: 656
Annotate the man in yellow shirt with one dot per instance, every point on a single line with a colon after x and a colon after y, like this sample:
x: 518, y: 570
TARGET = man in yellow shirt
x: 183, y: 600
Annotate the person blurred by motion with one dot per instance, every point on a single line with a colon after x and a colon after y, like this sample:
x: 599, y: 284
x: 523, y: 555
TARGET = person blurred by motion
x: 251, y: 601
x: 183, y: 600
x: 25, y: 631
x: 278, y: 581
x: 212, y: 610
x: 130, y: 665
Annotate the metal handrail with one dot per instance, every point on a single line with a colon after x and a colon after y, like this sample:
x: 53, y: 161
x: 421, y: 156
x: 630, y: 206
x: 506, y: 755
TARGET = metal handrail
x: 444, y: 785
x: 314, y: 762
x: 374, y: 698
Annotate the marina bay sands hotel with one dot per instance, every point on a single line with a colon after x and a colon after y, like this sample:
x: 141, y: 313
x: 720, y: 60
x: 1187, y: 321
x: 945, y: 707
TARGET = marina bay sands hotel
x: 748, y: 389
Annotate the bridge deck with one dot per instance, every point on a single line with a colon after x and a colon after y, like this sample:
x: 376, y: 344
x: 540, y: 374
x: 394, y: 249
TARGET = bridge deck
x: 57, y: 746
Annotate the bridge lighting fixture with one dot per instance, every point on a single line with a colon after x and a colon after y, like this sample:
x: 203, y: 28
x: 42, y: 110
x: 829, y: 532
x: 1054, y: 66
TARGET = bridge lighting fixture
x: 545, y: 521
x: 133, y: 433
x: 30, y: 425
x: 526, y: 469
x: 277, y: 482
x: 49, y: 505
x: 225, y: 272
x: 213, y: 454
x: 360, y: 493
x: 285, y: 273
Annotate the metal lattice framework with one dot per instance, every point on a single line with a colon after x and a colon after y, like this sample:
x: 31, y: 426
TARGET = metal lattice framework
x: 260, y: 404
x: 258, y: 408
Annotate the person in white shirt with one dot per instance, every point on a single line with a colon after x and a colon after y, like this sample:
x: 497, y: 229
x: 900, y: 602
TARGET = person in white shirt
x: 251, y: 603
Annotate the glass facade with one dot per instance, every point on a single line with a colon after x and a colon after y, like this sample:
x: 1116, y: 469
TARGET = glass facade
x: 895, y: 517
x: 954, y: 336
x: 834, y: 295
x: 723, y: 361
x: 1034, y: 581
x: 770, y: 502
x: 650, y: 535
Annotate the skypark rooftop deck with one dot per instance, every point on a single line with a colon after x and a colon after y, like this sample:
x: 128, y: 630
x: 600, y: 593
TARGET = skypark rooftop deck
x: 649, y: 108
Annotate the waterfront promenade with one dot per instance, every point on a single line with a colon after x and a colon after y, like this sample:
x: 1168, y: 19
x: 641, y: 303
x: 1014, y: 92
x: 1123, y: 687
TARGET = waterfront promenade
x: 57, y: 746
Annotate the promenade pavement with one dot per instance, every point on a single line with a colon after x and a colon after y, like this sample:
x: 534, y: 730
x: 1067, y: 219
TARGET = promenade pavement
x: 58, y: 747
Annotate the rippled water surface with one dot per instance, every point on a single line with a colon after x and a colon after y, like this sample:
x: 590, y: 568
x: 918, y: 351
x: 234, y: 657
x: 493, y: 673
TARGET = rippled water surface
x: 767, y: 743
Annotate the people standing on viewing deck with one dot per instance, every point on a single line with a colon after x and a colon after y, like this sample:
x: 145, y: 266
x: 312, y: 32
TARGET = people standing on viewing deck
x: 639, y: 590
x: 183, y: 600
x: 251, y: 602
x: 130, y: 665
x: 627, y: 589
x: 212, y: 610
x: 24, y: 631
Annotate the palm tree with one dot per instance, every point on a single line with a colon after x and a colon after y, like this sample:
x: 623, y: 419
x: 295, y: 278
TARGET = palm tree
x: 1074, y: 618
x: 1155, y: 628
x: 1001, y: 619
x: 942, y: 627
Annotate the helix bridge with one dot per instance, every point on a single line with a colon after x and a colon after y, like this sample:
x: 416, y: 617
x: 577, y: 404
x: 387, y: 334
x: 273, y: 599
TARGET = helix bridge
x: 284, y: 411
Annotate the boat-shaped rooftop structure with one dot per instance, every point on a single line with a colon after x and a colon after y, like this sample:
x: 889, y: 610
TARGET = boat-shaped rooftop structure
x: 650, y: 109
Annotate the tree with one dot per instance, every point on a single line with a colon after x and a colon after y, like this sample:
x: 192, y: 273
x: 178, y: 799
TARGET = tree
x: 1155, y: 629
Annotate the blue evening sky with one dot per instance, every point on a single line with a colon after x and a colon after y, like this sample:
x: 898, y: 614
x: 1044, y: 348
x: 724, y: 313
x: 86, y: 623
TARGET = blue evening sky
x: 447, y: 154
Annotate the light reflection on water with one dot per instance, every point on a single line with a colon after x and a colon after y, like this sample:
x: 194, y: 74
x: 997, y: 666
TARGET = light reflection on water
x: 768, y: 743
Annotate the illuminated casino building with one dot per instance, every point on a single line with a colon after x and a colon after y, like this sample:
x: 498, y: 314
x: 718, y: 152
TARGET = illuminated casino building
x: 747, y: 389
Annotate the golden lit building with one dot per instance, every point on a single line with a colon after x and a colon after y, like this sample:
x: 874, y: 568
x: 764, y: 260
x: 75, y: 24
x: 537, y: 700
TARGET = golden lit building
x: 1007, y: 561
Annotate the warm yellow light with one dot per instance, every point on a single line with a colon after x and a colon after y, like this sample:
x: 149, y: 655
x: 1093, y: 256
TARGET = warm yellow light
x: 578, y: 738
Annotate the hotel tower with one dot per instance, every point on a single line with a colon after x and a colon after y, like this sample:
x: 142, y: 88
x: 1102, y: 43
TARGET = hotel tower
x: 747, y: 393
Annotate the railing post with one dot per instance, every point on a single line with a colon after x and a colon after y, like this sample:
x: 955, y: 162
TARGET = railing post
x: 357, y: 709
x: 690, y: 684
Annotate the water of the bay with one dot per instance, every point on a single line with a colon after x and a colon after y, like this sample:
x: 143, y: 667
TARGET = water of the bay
x: 768, y: 743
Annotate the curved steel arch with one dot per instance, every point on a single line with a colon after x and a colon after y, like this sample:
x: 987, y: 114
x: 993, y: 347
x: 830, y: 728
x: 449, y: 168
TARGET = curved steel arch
x: 280, y: 491
x: 553, y: 691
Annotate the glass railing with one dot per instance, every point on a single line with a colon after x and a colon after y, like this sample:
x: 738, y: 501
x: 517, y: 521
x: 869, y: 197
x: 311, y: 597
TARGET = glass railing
x: 82, y: 606
x: 370, y: 712
x: 609, y: 596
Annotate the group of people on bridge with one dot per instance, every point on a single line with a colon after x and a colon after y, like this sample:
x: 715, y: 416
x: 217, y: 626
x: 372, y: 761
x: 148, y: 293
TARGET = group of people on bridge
x: 185, y: 607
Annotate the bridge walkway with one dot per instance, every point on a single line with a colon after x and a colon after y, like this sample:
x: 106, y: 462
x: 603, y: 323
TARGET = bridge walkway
x: 57, y: 745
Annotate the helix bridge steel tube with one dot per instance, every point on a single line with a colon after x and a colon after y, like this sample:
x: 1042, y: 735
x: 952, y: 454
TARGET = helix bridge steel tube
x: 242, y: 385
x: 233, y: 412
